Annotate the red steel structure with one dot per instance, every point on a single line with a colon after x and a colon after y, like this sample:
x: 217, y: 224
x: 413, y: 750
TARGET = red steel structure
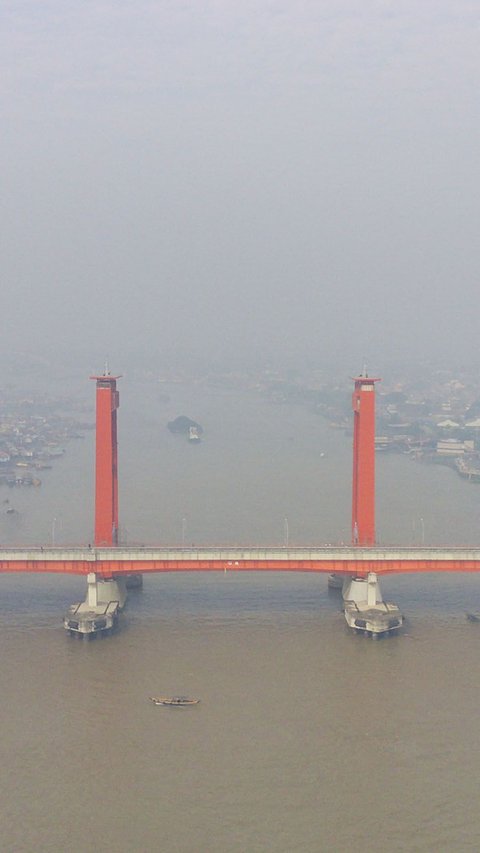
x: 106, y: 461
x: 347, y: 560
x: 363, y: 483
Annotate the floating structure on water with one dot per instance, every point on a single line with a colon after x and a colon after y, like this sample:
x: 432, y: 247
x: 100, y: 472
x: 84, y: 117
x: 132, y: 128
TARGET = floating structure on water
x: 467, y: 470
x: 174, y: 701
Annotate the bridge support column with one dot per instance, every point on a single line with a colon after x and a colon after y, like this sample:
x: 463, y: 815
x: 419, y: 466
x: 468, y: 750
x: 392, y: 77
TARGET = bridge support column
x: 364, y: 607
x: 101, y: 591
x: 336, y: 582
x: 363, y: 590
x: 98, y: 614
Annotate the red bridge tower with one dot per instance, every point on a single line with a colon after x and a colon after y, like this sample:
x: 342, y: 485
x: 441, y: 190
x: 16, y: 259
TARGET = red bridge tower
x: 106, y: 461
x: 363, y: 487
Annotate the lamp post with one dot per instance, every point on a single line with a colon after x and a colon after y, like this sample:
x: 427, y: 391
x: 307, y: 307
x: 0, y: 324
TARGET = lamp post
x: 285, y: 532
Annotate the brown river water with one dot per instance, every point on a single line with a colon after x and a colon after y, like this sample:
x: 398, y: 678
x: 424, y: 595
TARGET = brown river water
x: 307, y: 737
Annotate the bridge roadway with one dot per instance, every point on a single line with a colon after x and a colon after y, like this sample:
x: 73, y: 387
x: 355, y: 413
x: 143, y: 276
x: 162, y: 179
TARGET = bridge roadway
x: 349, y: 560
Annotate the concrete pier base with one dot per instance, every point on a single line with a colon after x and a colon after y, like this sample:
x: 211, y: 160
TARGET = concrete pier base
x: 134, y: 581
x: 364, y: 608
x: 336, y: 581
x: 98, y: 614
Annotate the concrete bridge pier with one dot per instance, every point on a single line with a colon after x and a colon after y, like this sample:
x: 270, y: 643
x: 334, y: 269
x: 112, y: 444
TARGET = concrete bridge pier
x: 103, y: 590
x: 336, y: 582
x: 364, y: 607
x: 98, y: 614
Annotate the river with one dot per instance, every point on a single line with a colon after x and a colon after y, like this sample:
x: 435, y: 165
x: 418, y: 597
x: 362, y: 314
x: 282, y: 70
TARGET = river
x: 307, y: 738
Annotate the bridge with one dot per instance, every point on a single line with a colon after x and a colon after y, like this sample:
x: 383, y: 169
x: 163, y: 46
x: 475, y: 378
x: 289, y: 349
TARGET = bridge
x: 354, y: 568
x: 340, y: 560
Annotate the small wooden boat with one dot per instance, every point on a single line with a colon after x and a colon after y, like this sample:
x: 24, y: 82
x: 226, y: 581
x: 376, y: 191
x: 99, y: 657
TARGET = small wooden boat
x: 473, y: 617
x: 174, y: 700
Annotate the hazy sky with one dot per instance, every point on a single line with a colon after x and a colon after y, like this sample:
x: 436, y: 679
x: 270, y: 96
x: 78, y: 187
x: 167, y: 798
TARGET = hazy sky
x: 264, y: 179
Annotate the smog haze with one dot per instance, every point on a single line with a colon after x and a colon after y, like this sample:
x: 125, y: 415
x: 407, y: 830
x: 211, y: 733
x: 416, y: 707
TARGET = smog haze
x: 236, y: 182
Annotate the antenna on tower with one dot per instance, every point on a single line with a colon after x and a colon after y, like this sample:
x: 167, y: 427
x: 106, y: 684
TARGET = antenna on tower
x: 106, y: 372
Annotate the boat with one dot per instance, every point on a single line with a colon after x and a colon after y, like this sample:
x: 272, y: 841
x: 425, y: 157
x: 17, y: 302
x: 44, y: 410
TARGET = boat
x: 174, y: 700
x: 182, y: 425
x: 193, y: 435
x: 473, y: 617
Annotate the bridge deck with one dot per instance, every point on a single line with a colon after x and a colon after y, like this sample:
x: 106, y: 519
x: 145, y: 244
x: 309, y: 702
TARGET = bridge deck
x: 339, y: 559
